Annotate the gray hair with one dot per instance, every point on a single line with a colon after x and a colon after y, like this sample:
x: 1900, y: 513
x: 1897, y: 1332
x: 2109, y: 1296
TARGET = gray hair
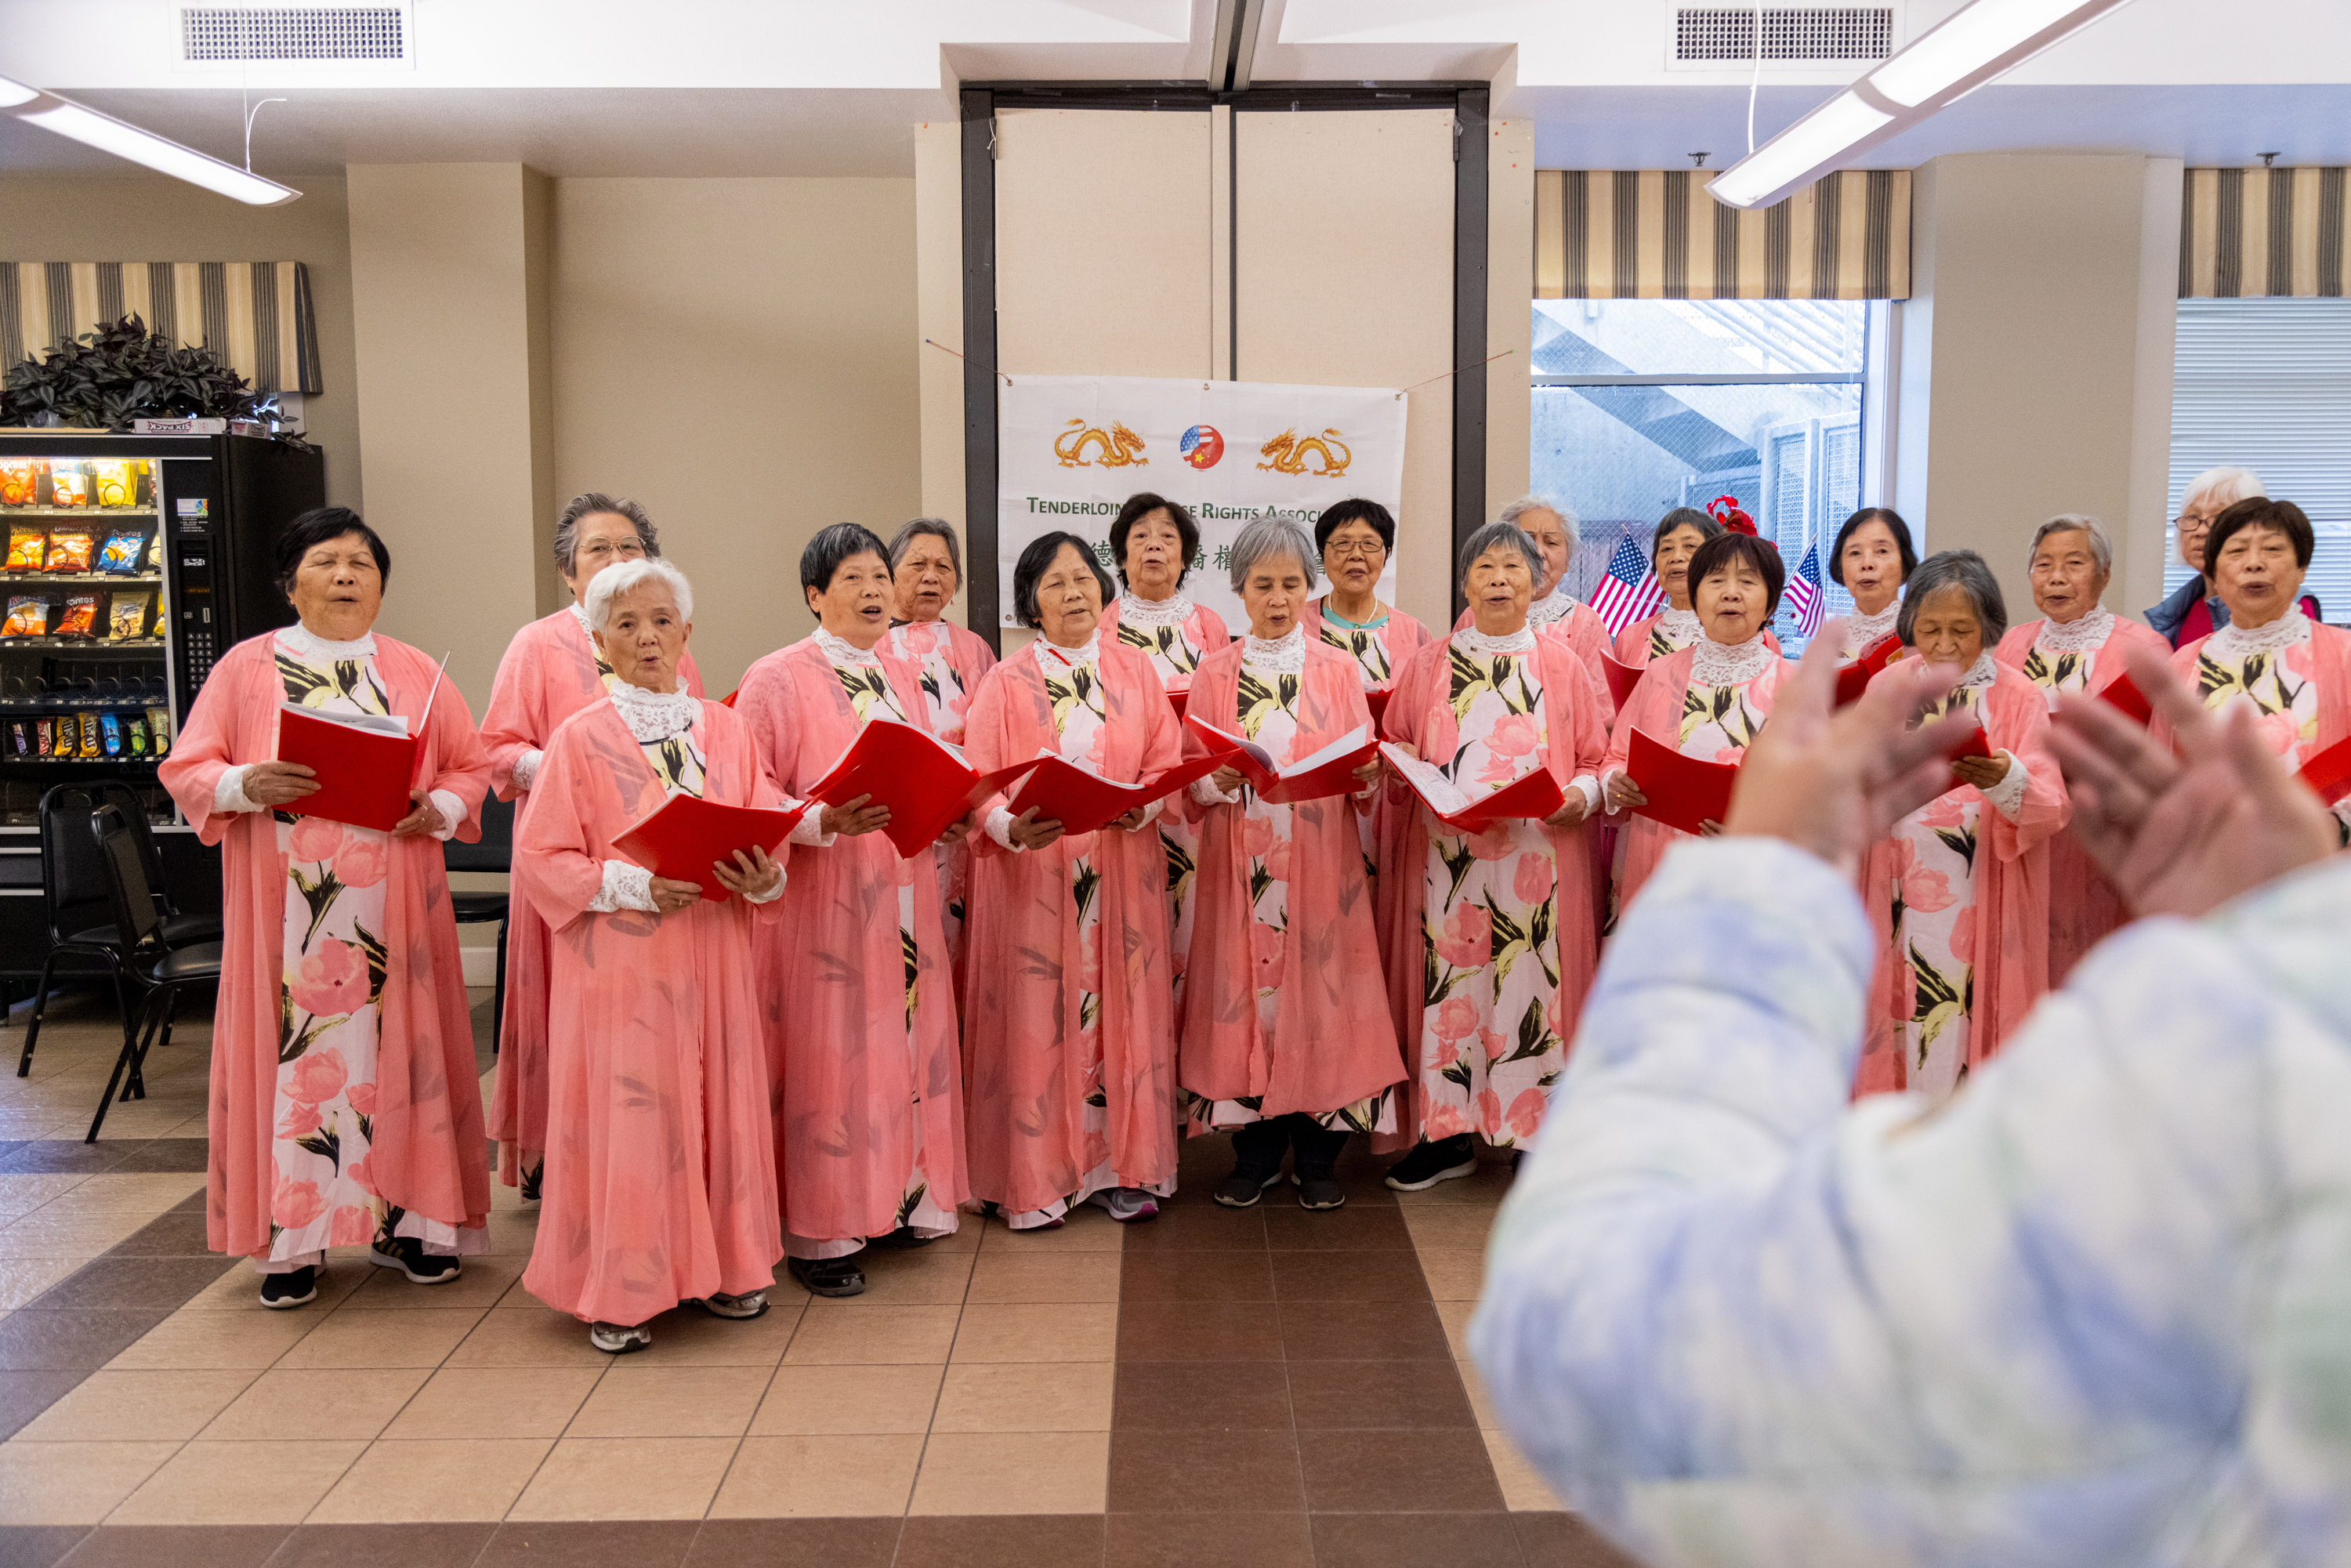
x: 1504, y: 533
x: 926, y: 528
x: 1971, y: 575
x: 1565, y: 514
x: 566, y: 525
x: 1271, y: 539
x: 2102, y: 548
x: 616, y: 582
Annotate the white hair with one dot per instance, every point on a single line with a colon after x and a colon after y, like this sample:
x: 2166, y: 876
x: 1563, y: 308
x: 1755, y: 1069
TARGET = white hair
x: 2226, y: 486
x: 2102, y: 548
x: 616, y: 581
x: 1565, y: 514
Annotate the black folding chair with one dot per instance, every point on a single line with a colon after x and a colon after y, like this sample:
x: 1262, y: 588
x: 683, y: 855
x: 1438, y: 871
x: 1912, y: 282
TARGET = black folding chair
x: 142, y: 956
x: 75, y: 896
x: 494, y: 853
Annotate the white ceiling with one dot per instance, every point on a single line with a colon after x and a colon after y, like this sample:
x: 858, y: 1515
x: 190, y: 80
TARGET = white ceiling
x: 716, y: 88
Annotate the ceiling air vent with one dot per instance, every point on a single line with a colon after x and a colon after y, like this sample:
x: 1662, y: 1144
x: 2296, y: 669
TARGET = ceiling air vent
x: 294, y: 35
x: 1725, y: 35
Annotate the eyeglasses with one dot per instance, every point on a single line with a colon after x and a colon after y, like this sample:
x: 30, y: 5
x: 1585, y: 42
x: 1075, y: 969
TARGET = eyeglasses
x: 1345, y: 549
x: 599, y: 548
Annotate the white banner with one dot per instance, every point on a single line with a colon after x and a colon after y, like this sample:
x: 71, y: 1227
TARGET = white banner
x: 1071, y: 449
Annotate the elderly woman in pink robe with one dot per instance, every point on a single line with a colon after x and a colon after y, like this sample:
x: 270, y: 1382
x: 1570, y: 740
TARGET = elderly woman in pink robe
x: 552, y: 670
x: 660, y: 1183
x: 1283, y: 1042
x: 1068, y: 1026
x: 1554, y: 609
x: 1494, y: 940
x: 860, y: 995
x: 1960, y: 892
x: 345, y: 1110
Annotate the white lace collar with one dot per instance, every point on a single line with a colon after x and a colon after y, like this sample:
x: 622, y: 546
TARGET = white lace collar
x: 842, y: 653
x: 2082, y: 635
x: 580, y: 613
x: 1983, y: 672
x: 1861, y: 631
x: 1284, y: 656
x: 1680, y: 626
x: 1053, y: 659
x: 1556, y: 605
x: 1171, y: 612
x: 305, y: 644
x: 654, y: 716
x: 1477, y: 644
x: 1714, y: 663
x: 2234, y: 641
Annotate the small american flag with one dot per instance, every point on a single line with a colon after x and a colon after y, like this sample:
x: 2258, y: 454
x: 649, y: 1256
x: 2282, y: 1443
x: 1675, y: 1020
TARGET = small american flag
x: 1805, y: 600
x: 1627, y: 590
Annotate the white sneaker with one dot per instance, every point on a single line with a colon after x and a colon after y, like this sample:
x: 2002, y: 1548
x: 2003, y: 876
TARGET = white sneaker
x: 620, y: 1339
x: 1125, y: 1203
x: 749, y: 1304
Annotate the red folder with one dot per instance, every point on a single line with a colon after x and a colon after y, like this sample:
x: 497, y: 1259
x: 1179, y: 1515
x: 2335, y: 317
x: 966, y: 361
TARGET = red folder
x: 1180, y: 698
x: 680, y: 839
x: 2124, y: 694
x: 1853, y: 679
x: 1971, y: 744
x: 363, y: 766
x: 1378, y: 700
x: 1330, y: 772
x: 1622, y: 679
x: 2329, y: 773
x: 1535, y: 796
x: 1083, y: 802
x: 924, y: 781
x: 1683, y: 791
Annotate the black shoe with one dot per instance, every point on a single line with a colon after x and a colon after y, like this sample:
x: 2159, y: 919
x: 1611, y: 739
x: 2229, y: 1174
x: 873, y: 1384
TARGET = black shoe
x: 407, y: 1254
x: 294, y: 1288
x: 1246, y: 1185
x: 1319, y: 1189
x: 829, y: 1276
x: 901, y: 1239
x: 1430, y: 1164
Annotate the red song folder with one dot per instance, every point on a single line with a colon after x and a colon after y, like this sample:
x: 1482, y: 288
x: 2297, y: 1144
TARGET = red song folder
x: 1621, y: 678
x: 1853, y: 679
x: 1330, y: 772
x: 684, y: 836
x: 1683, y: 791
x: 1180, y: 698
x: 364, y: 763
x: 1971, y: 744
x: 1535, y: 796
x: 1376, y: 699
x: 925, y: 782
x: 1084, y: 802
x: 2329, y: 773
x: 2124, y: 694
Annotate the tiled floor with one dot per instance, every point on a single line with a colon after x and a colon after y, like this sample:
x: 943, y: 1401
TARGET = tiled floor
x: 1264, y: 1386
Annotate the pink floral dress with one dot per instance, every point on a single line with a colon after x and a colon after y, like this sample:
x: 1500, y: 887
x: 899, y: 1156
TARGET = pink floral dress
x: 1492, y: 1040
x: 924, y: 645
x: 2269, y: 666
x: 332, y: 981
x: 1368, y: 646
x: 1177, y: 635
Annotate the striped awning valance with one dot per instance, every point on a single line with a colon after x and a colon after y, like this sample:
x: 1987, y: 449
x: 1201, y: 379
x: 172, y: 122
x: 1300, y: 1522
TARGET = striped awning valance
x: 1655, y: 234
x: 255, y: 314
x: 2247, y: 233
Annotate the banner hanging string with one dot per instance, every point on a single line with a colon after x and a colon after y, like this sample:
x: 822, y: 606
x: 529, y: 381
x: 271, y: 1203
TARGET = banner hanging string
x: 1480, y: 365
x: 943, y: 348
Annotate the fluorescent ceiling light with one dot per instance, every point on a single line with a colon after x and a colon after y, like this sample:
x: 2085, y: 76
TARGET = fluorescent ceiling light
x: 1790, y: 158
x: 107, y: 134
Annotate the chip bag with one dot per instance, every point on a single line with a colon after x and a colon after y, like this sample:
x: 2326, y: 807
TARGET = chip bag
x: 69, y: 549
x: 17, y: 478
x: 109, y: 734
x: 69, y: 486
x: 121, y: 552
x: 159, y: 727
x: 28, y: 616
x: 80, y: 619
x: 27, y: 547
x: 126, y: 616
x: 155, y: 551
x: 20, y: 737
x: 112, y: 481
x: 137, y: 730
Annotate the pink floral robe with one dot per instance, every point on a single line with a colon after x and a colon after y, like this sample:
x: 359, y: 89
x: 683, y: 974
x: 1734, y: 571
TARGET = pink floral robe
x: 2303, y: 691
x: 951, y: 660
x: 1380, y: 651
x: 1662, y: 636
x: 551, y: 670
x: 344, y: 1098
x: 1069, y: 1033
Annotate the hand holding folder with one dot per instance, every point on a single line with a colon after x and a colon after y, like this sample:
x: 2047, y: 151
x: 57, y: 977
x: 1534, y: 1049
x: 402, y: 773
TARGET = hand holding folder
x: 363, y: 763
x: 1083, y: 802
x: 1682, y: 792
x: 685, y: 838
x: 1330, y: 772
x: 1536, y: 795
x: 925, y: 782
x: 1853, y: 679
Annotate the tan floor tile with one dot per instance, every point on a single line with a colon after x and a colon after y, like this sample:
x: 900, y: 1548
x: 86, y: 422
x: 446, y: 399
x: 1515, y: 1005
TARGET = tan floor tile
x: 347, y: 1402
x: 513, y: 1233
x: 847, y: 1400
x: 429, y: 1482
x: 156, y: 1116
x: 347, y: 1338
x: 123, y: 1407
x: 1487, y: 1189
x: 1044, y: 1472
x: 1004, y: 1276
x: 1480, y: 1400
x: 1025, y: 1396
x: 1061, y: 1332
x: 692, y: 1337
x: 146, y: 1195
x: 636, y: 1400
x: 1522, y: 1488
x: 239, y: 1291
x: 82, y: 1237
x: 72, y: 1484
x: 479, y: 1284
x: 1454, y: 1273
x: 926, y: 1276
x: 1088, y: 1229
x: 496, y: 1402
x: 626, y: 1477
x: 873, y: 1336
x: 240, y: 1483
x: 1455, y: 1316
x: 535, y: 1335
x: 215, y: 1341
x: 1454, y: 1225
x: 22, y: 1278
x: 782, y: 1478
x: 965, y: 1240
x: 20, y: 1195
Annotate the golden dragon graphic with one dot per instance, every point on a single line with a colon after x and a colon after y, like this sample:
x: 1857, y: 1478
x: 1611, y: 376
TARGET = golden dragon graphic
x: 1286, y: 454
x: 1120, y: 446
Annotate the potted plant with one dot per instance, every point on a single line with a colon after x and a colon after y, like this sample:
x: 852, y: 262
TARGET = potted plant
x: 105, y: 379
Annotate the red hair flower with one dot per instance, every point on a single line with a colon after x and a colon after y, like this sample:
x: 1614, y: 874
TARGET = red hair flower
x: 1726, y: 510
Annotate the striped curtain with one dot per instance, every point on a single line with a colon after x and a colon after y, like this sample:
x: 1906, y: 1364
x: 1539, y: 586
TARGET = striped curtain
x: 2247, y: 233
x: 255, y: 315
x: 1653, y: 234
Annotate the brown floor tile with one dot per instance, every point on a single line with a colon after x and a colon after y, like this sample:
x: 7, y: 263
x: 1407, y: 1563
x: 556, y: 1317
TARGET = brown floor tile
x: 1074, y: 1331
x: 37, y: 1546
x: 1235, y: 1276
x: 238, y: 1289
x: 177, y: 1234
x: 916, y: 1277
x: 533, y: 1336
x: 159, y: 1155
x: 1415, y: 1540
x: 848, y: 1401
x: 1186, y: 1226
x: 1088, y: 1229
x: 1025, y: 1396
x: 479, y: 1284
x: 373, y: 1339
x: 22, y: 1280
x: 834, y: 1542
x: 1454, y: 1273
x: 1425, y: 1471
x: 1194, y: 1395
x: 1007, y: 1277
x: 72, y: 1484
x: 1487, y: 1189
x: 627, y: 1479
x: 1229, y: 1471
x: 66, y: 1155
x: 1564, y: 1541
x: 1349, y: 1230
x: 135, y: 1406
x: 1209, y: 1540
x: 1361, y: 1330
x: 1375, y: 1393
x: 32, y: 1340
x: 494, y: 1402
x: 1348, y: 1276
x: 155, y: 1283
x: 452, y: 1545
x: 635, y: 1399
x: 241, y: 1483
x: 856, y: 1336
x: 1038, y: 1540
x: 623, y: 1543
x: 688, y: 1336
x: 25, y: 1395
x: 213, y: 1545
x: 807, y: 1477
x: 448, y: 1481
x: 983, y: 1473
x: 345, y: 1402
x: 1200, y: 1331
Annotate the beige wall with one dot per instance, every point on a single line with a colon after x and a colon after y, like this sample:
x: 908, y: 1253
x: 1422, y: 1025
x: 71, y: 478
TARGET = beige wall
x: 1510, y: 323
x: 146, y: 217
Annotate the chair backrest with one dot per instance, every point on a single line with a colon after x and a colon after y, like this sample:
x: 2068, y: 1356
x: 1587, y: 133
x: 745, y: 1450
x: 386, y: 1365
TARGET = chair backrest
x: 73, y: 878
x: 495, y: 851
x: 133, y: 898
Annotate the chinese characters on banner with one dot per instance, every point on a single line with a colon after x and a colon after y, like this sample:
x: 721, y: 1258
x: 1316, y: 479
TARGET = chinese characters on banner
x: 1071, y: 449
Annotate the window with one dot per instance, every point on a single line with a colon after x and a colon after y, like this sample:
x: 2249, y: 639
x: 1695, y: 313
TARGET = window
x: 2265, y: 384
x: 1642, y: 405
